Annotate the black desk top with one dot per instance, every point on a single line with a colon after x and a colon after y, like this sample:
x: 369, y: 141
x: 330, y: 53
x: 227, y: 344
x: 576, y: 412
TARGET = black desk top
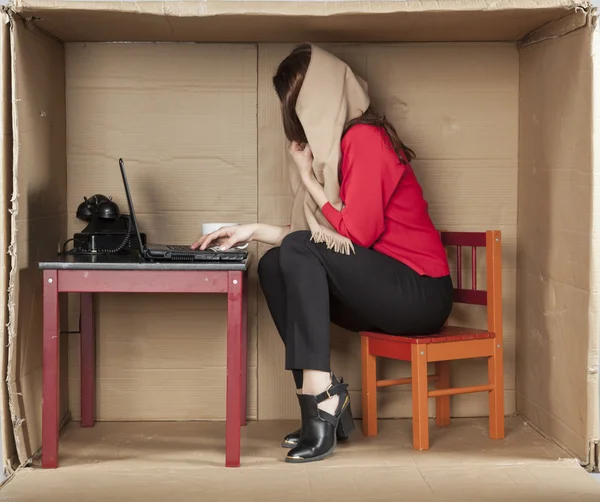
x: 133, y: 262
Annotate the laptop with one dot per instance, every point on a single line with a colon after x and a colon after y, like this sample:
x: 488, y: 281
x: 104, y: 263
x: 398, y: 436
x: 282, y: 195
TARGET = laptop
x: 172, y: 252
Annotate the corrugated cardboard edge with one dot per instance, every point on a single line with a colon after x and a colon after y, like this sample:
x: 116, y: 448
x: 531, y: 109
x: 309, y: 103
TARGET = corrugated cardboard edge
x: 6, y: 430
x: 38, y: 147
x: 13, y: 403
x: 577, y: 19
x: 25, y: 340
x: 287, y: 8
x: 594, y: 310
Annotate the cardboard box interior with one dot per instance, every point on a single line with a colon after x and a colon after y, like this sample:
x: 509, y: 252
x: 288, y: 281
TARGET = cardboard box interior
x: 503, y: 134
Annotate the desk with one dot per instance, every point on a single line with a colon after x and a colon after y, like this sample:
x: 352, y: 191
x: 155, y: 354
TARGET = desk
x: 87, y: 275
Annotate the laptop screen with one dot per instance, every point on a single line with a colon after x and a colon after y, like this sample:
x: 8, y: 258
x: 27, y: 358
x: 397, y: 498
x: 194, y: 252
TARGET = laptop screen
x: 130, y: 204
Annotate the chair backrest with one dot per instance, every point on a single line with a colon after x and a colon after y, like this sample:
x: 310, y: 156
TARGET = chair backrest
x: 492, y: 295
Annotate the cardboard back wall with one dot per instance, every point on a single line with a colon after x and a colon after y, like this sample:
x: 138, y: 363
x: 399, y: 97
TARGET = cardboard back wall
x: 456, y: 105
x: 183, y: 117
x: 191, y: 139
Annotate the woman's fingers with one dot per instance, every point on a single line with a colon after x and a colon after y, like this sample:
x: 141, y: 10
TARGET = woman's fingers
x: 203, y: 242
x: 295, y: 147
x: 198, y: 243
x: 210, y: 238
x: 298, y: 151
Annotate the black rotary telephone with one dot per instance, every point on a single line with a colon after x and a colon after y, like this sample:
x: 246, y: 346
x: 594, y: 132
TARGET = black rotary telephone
x: 107, y: 231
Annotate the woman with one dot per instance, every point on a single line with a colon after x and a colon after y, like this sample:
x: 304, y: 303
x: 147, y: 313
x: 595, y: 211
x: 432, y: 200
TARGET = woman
x: 361, y: 252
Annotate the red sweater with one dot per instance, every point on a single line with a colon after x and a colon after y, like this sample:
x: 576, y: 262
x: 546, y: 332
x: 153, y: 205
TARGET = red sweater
x: 384, y: 208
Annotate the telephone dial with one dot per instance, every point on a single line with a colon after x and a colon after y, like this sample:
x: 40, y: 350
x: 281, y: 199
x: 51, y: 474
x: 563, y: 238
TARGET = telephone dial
x: 107, y: 231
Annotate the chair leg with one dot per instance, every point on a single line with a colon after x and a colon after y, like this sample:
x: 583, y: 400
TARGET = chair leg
x: 496, y: 396
x: 419, y: 397
x: 442, y: 404
x: 369, y: 390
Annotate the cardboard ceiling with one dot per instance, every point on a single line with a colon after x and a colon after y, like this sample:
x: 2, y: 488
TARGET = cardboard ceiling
x: 285, y: 21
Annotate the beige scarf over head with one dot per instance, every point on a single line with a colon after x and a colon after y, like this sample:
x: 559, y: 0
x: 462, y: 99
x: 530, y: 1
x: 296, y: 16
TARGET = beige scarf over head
x: 331, y: 95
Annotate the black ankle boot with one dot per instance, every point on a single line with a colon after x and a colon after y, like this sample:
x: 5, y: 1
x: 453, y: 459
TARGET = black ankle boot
x: 319, y: 428
x: 291, y: 440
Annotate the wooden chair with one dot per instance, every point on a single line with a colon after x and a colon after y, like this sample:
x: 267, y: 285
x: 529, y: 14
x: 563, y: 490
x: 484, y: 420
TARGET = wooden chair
x: 450, y: 344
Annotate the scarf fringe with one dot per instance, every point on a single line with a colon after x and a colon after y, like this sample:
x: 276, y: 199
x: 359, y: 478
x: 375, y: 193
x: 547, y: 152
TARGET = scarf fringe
x: 337, y: 243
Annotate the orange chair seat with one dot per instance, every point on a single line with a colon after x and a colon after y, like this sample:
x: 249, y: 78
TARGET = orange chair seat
x: 447, y: 334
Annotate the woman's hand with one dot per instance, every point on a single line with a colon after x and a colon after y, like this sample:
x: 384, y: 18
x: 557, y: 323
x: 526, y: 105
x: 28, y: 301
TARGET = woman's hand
x: 303, y: 157
x: 226, y: 237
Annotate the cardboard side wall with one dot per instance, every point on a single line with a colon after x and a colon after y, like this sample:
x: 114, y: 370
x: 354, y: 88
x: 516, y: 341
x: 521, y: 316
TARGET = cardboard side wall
x: 38, y: 217
x: 6, y: 430
x: 554, y: 243
x: 456, y: 106
x: 183, y: 117
x: 594, y: 342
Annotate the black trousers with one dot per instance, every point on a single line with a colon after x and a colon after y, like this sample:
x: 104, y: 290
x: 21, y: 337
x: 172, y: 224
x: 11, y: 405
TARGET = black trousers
x: 308, y: 286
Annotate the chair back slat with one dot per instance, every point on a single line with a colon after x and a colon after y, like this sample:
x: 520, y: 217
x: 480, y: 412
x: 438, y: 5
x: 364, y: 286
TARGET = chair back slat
x: 473, y: 240
x: 476, y: 239
x: 470, y: 296
x: 459, y: 267
x: 492, y: 296
x: 473, y: 267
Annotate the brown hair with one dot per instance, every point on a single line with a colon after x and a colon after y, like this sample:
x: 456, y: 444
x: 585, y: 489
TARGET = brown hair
x: 288, y: 82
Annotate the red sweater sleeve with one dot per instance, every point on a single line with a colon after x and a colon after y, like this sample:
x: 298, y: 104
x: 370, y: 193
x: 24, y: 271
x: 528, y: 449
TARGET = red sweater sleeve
x: 370, y: 173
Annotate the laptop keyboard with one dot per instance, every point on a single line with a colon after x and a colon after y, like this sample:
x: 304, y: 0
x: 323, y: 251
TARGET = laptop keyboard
x: 179, y: 248
x: 217, y: 252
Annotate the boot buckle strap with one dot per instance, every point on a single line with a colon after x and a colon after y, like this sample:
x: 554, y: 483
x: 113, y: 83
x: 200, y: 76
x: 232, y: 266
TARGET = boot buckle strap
x: 332, y: 390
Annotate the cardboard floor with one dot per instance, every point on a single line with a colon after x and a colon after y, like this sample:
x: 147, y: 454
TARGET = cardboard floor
x: 184, y: 462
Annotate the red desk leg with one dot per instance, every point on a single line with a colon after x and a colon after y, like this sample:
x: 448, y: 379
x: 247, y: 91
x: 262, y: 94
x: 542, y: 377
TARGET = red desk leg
x: 50, y: 371
x: 244, y: 365
x: 88, y: 361
x: 234, y: 363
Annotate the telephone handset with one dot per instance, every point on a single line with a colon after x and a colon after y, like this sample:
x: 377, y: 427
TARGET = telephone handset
x: 100, y: 205
x: 107, y: 231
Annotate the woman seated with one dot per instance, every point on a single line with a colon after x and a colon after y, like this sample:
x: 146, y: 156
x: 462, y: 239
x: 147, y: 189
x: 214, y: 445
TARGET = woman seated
x: 361, y: 252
